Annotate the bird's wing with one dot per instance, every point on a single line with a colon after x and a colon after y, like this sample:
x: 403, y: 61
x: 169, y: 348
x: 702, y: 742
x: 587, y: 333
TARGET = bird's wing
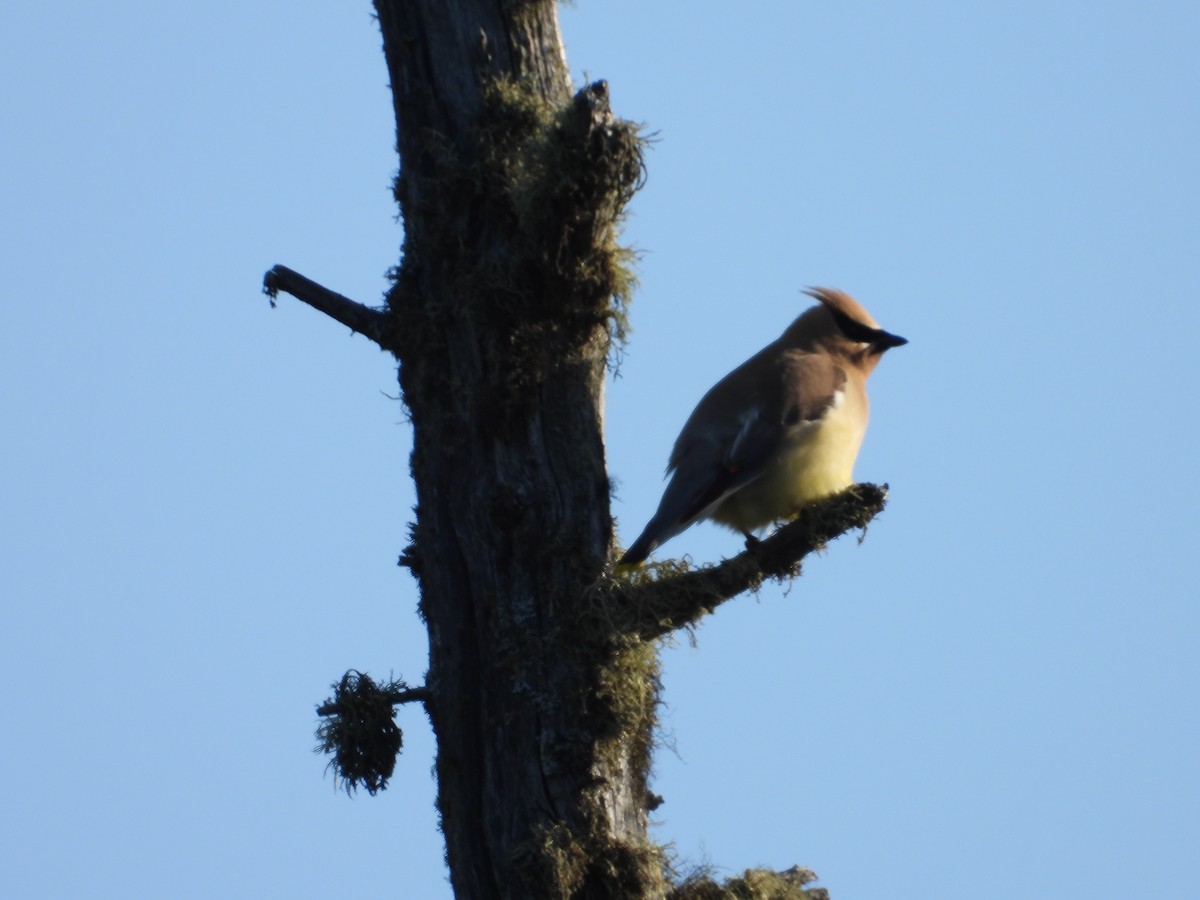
x: 800, y: 391
x: 737, y: 429
x: 790, y: 392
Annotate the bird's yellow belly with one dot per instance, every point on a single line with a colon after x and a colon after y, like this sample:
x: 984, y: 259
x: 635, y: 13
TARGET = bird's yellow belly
x: 820, y: 462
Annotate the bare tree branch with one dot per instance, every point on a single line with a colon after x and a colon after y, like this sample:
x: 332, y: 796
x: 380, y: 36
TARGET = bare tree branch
x: 652, y: 607
x: 358, y: 318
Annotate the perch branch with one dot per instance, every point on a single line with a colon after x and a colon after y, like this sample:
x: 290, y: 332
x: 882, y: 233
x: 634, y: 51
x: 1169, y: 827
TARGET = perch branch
x: 662, y: 605
x: 362, y: 319
x: 411, y: 695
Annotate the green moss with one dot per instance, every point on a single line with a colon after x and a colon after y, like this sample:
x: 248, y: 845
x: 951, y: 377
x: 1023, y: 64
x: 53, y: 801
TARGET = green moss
x: 554, y: 865
x: 519, y: 225
x: 753, y: 884
x: 630, y: 689
x: 561, y: 863
x: 558, y: 179
x: 615, y: 693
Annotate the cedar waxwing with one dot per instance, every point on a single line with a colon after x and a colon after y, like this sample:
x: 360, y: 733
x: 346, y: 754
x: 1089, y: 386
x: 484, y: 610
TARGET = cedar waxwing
x: 780, y: 430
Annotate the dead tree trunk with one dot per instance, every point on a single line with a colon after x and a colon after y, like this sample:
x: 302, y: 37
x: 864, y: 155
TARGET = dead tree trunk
x: 509, y: 191
x: 543, y: 674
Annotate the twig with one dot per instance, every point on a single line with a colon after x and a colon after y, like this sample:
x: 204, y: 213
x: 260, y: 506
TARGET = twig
x: 412, y: 695
x: 362, y: 319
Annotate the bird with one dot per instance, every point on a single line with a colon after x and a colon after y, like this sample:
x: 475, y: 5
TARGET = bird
x: 779, y: 431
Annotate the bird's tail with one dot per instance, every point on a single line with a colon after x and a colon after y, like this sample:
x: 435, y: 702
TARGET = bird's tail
x: 641, y: 548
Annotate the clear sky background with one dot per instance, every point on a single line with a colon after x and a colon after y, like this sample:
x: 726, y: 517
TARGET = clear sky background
x: 202, y: 499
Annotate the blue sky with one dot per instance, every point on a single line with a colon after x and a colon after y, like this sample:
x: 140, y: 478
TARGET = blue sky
x: 202, y: 499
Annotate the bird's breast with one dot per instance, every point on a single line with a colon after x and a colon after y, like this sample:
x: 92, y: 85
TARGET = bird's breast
x: 815, y: 461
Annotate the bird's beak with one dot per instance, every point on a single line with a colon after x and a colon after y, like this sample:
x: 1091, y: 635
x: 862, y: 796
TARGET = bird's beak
x: 886, y: 341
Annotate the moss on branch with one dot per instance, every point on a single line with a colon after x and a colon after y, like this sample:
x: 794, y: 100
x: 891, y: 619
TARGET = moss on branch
x: 659, y: 598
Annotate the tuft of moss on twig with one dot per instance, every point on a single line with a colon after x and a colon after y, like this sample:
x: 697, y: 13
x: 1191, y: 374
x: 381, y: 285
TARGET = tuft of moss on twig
x: 360, y: 731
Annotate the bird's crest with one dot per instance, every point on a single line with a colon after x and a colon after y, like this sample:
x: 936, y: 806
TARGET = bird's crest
x: 841, y: 302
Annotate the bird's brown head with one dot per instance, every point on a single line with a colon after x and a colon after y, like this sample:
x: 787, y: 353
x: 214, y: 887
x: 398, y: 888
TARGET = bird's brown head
x: 841, y: 325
